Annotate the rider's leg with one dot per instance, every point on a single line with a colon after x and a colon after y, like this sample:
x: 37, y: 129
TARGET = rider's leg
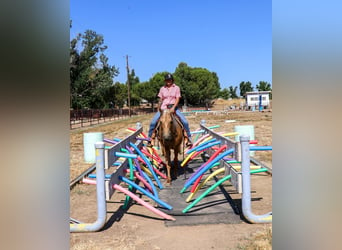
x: 186, y: 125
x: 153, y: 125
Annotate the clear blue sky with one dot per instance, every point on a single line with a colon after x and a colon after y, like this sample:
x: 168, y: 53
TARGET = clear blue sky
x: 230, y: 37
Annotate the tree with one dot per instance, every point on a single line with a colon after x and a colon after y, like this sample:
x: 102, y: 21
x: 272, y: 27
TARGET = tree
x: 232, y: 91
x: 150, y: 89
x: 245, y: 87
x: 198, y: 85
x: 134, y: 82
x: 90, y: 74
x: 264, y: 86
x: 224, y: 93
x: 117, y: 94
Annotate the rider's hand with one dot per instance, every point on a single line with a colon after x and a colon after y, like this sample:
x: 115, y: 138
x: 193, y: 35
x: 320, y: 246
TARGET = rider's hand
x: 172, y: 110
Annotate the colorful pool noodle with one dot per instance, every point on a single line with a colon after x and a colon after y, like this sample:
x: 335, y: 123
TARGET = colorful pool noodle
x: 194, y: 186
x: 142, y: 202
x: 89, y: 181
x: 154, y: 152
x: 110, y: 141
x: 251, y: 167
x: 140, y: 178
x: 229, y: 160
x: 193, y: 192
x: 194, y: 153
x: 209, y: 145
x: 93, y: 176
x: 214, y: 186
x: 197, y: 182
x: 200, y: 145
x: 210, y: 165
x: 155, y: 192
x: 142, y: 133
x: 147, y: 163
x: 148, y: 194
x: 154, y: 157
x: 136, y: 162
x: 191, y: 156
x: 198, y: 131
x: 154, y: 169
x: 131, y: 174
x: 229, y: 134
x: 197, y: 134
x: 214, y: 126
x: 147, y: 171
x: 260, y: 148
x: 143, y: 174
x: 211, y: 127
x: 212, y: 157
x: 154, y: 162
x: 125, y: 155
x: 201, y: 139
x: 143, y: 138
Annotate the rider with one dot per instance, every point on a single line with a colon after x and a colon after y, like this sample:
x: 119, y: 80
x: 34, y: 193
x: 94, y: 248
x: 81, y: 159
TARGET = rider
x: 169, y: 96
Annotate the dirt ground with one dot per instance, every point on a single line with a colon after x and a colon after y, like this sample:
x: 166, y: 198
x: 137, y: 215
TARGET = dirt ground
x: 138, y: 228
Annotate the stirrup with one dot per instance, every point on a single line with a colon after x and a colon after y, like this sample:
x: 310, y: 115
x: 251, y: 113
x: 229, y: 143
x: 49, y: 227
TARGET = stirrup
x: 188, y: 143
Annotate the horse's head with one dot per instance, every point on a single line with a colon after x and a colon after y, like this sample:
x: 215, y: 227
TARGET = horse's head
x: 166, y: 125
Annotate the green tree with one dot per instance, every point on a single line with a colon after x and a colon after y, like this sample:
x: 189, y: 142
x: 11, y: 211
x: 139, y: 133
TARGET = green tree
x: 263, y: 86
x: 134, y: 82
x: 232, y: 91
x: 224, y: 93
x: 117, y: 94
x: 150, y: 89
x: 90, y: 74
x: 198, y: 85
x: 245, y: 87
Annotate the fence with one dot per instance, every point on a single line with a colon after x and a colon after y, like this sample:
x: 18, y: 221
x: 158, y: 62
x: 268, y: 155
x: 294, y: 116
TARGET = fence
x: 88, y: 117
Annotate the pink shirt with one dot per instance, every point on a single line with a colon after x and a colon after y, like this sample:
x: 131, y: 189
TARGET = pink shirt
x: 169, y: 95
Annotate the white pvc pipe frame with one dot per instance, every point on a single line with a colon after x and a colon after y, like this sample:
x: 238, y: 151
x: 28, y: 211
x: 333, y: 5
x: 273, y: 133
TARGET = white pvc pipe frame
x: 100, y: 188
x: 246, y: 185
x: 242, y: 152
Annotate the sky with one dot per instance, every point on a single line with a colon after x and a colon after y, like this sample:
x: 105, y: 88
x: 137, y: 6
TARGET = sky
x: 230, y: 37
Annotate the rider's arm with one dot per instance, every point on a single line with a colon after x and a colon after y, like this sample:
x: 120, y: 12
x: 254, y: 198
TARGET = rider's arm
x: 159, y: 103
x: 175, y: 104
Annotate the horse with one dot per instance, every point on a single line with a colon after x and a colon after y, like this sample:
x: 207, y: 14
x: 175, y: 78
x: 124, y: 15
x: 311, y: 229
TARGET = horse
x: 170, y: 135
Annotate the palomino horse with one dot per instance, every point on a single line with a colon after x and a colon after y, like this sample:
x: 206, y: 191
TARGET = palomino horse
x: 170, y: 136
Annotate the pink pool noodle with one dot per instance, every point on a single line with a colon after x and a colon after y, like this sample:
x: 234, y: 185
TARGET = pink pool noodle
x: 142, y: 202
x: 89, y: 181
x: 140, y: 178
x: 153, y: 156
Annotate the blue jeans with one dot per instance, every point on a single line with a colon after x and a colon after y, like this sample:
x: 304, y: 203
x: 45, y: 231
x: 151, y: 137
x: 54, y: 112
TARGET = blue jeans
x: 181, y: 117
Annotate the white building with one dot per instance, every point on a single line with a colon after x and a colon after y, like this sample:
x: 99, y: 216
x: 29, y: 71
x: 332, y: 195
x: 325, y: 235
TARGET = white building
x: 253, y: 99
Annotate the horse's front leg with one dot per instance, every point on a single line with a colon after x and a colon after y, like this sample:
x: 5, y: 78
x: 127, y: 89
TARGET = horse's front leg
x: 168, y: 165
x: 175, y: 163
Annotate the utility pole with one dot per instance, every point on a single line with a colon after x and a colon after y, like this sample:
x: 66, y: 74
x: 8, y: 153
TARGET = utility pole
x: 128, y: 87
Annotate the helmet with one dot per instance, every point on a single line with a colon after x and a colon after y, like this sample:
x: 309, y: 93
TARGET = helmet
x: 168, y: 76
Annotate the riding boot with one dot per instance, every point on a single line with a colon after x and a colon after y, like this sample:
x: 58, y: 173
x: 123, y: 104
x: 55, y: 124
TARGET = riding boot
x: 188, y: 142
x: 151, y: 142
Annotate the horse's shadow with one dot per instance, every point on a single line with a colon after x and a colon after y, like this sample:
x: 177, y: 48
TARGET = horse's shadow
x: 181, y: 170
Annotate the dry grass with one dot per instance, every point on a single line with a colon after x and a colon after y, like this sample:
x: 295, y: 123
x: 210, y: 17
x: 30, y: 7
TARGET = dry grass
x: 261, y: 240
